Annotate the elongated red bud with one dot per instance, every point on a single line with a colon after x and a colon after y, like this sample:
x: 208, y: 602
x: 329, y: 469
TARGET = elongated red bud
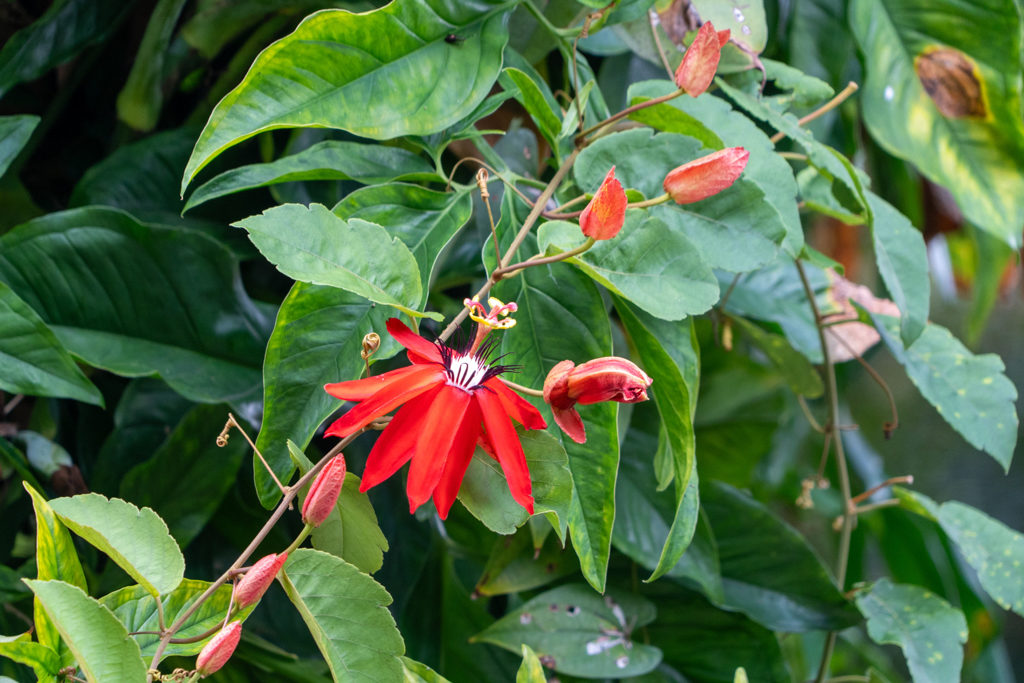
x: 700, y: 62
x: 707, y: 176
x: 219, y: 650
x: 258, y: 579
x: 323, y: 494
x: 601, y: 379
x: 606, y: 212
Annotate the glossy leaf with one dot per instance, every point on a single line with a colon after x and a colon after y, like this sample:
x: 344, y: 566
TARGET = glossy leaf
x: 928, y: 630
x: 346, y: 612
x: 317, y: 340
x: 794, y: 367
x: 14, y: 133
x: 651, y: 265
x: 99, y: 642
x: 90, y: 275
x: 903, y: 264
x: 532, y: 98
x: 32, y: 361
x: 418, y: 672
x: 769, y: 572
x: 579, y: 632
x: 516, y: 565
x: 946, y: 95
x: 424, y: 220
x: 328, y: 160
x: 136, y: 608
x: 531, y: 670
x: 972, y: 393
x: 215, y: 24
x: 196, y: 473
x: 312, y: 245
x: 137, y: 540
x: 140, y: 101
x: 329, y: 71
x: 22, y: 649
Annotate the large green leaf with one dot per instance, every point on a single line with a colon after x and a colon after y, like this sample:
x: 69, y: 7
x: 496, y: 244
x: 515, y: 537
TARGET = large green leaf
x: 425, y: 220
x: 928, y: 630
x: 769, y: 572
x: 648, y: 263
x: 328, y: 160
x: 67, y: 27
x: 137, y: 540
x: 583, y: 633
x: 32, y: 361
x: 946, y: 95
x: 346, y: 612
x: 216, y: 23
x: 311, y: 244
x: 139, y: 300
x: 903, y: 264
x: 334, y: 71
x: 14, y: 133
x: 195, y: 473
x: 542, y: 110
x: 317, y: 340
x: 972, y: 393
x: 98, y: 640
x: 140, y: 101
x: 516, y: 564
x: 44, y: 661
x: 136, y: 608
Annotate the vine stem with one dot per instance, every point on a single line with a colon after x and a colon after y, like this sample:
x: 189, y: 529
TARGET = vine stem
x: 844, y: 475
x: 629, y: 110
x: 289, y: 495
x: 841, y: 97
x: 538, y: 260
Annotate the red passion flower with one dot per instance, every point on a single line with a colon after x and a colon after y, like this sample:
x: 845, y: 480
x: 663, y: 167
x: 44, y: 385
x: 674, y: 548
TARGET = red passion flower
x: 451, y: 400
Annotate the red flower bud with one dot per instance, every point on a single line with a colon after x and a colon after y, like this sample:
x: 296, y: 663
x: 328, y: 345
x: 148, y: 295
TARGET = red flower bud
x: 707, y: 176
x: 601, y: 379
x: 700, y: 62
x: 323, y: 494
x: 606, y: 212
x: 258, y: 579
x: 219, y: 650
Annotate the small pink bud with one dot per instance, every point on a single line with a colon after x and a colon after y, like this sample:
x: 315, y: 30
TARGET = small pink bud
x: 219, y: 650
x: 601, y: 379
x: 323, y: 494
x: 707, y: 176
x: 606, y: 212
x: 700, y: 62
x: 258, y: 579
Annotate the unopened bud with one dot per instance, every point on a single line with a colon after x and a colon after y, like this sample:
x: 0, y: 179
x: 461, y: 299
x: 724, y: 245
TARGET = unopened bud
x: 707, y: 176
x: 700, y: 62
x: 258, y: 579
x: 371, y: 342
x: 219, y: 650
x: 323, y: 494
x: 604, y: 215
x: 601, y: 379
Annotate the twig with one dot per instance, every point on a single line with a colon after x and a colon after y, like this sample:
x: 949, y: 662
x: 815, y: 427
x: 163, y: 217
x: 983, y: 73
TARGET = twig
x: 891, y: 481
x: 627, y: 111
x: 539, y: 260
x: 222, y: 440
x: 810, y: 416
x: 653, y: 20
x: 841, y: 97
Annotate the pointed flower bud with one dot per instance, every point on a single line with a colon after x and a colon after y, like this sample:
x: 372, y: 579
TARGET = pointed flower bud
x: 700, y: 62
x: 258, y: 579
x: 601, y: 379
x: 707, y: 176
x: 606, y: 212
x: 323, y: 494
x: 219, y: 650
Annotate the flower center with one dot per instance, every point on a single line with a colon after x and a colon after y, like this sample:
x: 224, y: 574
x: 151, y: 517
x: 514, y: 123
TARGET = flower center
x: 466, y: 371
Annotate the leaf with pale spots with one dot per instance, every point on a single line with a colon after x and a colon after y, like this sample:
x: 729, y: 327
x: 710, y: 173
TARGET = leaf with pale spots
x: 927, y: 628
x: 972, y: 393
x: 576, y: 631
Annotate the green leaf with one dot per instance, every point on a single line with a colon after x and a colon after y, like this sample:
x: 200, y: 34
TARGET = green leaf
x: 486, y: 495
x: 648, y: 263
x: 44, y: 661
x: 32, y: 361
x: 351, y: 531
x: 424, y: 220
x: 530, y: 671
x: 330, y: 73
x: 111, y: 290
x: 313, y: 245
x: 137, y: 540
x: 140, y: 101
x: 346, y: 612
x: 99, y: 642
x: 417, y: 672
x: 317, y: 340
x: 328, y: 160
x: 947, y: 96
x: 579, y: 632
x: 805, y: 90
x: 196, y: 473
x: 136, y: 608
x: 746, y: 21
x: 794, y: 367
x: 928, y: 630
x: 14, y: 133
x: 903, y: 264
x: 972, y: 393
x: 67, y: 28
x: 516, y: 565
x: 215, y: 23
x: 530, y: 96
x: 768, y: 571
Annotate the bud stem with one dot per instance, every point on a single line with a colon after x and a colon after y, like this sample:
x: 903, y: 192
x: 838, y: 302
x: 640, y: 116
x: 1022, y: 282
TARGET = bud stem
x: 627, y: 111
x: 539, y: 260
x: 521, y: 389
x: 843, y: 95
x: 300, y: 538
